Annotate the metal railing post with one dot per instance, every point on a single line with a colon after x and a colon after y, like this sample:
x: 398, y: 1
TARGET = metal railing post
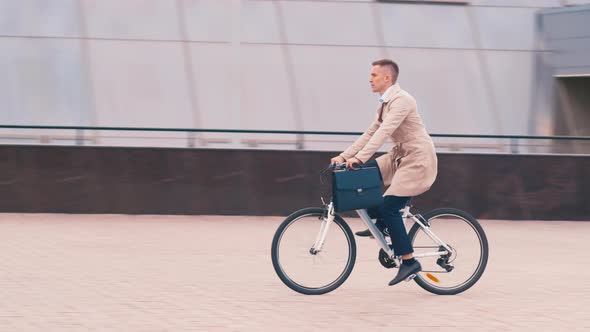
x: 79, y: 136
x: 514, y: 145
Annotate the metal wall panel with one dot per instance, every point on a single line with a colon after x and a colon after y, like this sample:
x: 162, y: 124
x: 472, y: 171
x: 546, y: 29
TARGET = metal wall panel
x: 40, y: 18
x: 146, y: 19
x: 268, y: 64
x: 140, y: 84
x: 208, y: 20
x: 42, y: 82
x: 567, y: 32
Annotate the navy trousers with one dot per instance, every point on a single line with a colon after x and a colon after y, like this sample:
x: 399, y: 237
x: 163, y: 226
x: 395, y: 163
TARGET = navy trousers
x: 388, y: 215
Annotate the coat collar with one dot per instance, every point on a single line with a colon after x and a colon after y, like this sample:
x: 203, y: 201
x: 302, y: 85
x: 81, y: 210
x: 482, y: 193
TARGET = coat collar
x: 390, y: 93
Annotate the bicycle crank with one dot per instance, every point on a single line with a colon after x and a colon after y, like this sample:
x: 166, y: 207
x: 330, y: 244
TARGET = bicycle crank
x: 384, y: 259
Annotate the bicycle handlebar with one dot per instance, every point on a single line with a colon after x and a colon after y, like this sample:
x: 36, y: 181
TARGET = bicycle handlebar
x: 339, y: 167
x: 342, y: 166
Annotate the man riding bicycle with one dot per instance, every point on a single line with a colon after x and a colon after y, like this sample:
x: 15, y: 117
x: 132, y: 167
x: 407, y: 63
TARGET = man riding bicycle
x: 409, y: 169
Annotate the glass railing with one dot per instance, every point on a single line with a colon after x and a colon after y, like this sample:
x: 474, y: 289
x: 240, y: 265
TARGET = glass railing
x: 276, y: 139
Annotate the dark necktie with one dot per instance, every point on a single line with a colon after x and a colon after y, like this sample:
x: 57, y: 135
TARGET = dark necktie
x: 381, y: 112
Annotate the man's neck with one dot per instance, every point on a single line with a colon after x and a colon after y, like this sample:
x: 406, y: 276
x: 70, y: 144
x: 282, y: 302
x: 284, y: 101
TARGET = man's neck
x: 387, y: 87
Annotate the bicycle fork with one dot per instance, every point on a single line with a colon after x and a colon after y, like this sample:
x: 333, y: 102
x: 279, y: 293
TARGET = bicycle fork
x: 325, y: 225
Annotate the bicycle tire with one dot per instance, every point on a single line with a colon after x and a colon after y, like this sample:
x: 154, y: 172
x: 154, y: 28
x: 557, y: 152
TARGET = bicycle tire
x: 429, y: 216
x: 276, y: 255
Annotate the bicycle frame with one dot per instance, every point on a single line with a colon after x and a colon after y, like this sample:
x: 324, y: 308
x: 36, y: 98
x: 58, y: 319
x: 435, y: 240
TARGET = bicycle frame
x: 364, y: 215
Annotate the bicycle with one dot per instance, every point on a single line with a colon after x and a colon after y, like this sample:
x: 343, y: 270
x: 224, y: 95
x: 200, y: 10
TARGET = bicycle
x: 437, y: 256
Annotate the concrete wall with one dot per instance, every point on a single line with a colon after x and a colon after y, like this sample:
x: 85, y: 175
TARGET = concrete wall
x: 246, y: 182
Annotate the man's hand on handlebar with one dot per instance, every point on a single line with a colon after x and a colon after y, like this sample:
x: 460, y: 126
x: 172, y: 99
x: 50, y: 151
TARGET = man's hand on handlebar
x: 337, y: 160
x: 350, y: 163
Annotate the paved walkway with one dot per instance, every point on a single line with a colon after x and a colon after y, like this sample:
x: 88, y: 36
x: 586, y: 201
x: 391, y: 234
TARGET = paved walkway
x: 211, y: 273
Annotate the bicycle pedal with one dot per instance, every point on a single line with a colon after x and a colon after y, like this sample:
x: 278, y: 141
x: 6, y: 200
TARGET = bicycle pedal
x: 411, y: 277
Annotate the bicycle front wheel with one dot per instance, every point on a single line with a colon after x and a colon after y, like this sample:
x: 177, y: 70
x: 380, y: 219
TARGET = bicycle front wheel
x: 302, y: 269
x: 460, y: 269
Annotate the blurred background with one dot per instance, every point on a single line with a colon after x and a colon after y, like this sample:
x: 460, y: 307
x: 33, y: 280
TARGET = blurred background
x: 138, y: 137
x: 217, y: 106
x: 479, y: 67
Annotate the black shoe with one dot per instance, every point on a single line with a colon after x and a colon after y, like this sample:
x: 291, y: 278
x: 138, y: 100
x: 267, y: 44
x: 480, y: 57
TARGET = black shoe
x: 406, y: 272
x: 367, y: 232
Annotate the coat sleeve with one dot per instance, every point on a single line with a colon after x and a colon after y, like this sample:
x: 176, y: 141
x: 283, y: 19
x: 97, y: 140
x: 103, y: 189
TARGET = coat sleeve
x: 361, y: 141
x: 398, y: 111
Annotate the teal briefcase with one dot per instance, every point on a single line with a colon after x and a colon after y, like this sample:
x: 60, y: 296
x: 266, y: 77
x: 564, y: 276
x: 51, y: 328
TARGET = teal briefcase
x: 356, y: 189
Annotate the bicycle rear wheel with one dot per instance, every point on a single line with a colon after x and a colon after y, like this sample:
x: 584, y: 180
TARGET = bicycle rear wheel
x: 458, y: 271
x: 304, y: 271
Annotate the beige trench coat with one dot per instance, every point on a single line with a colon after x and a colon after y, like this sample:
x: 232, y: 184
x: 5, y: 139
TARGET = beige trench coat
x: 410, y: 168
